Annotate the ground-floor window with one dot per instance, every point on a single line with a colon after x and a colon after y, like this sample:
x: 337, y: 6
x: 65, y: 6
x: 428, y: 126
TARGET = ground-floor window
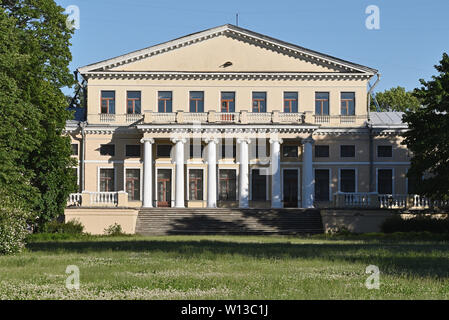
x: 385, y: 181
x: 106, y: 180
x: 133, y: 184
x: 195, y: 184
x: 322, y: 184
x: 227, y: 185
x: 412, y: 183
x: 347, y: 180
x: 259, y: 186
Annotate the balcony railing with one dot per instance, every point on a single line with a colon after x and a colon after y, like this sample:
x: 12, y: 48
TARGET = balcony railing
x: 386, y: 201
x: 291, y: 117
x: 195, y: 117
x: 322, y: 119
x: 259, y: 117
x: 232, y: 117
x: 164, y: 117
x: 133, y: 117
x: 74, y: 200
x: 107, y: 117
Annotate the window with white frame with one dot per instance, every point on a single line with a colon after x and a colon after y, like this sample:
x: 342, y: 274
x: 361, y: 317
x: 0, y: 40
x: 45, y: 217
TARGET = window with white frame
x: 133, y: 184
x: 347, y: 180
x: 106, y: 180
x: 195, y: 184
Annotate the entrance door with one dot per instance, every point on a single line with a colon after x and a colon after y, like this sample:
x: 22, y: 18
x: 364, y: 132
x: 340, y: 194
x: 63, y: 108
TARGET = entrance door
x: 164, y: 188
x: 290, y: 188
x: 259, y: 186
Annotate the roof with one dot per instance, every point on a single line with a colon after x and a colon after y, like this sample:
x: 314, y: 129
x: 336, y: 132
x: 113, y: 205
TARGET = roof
x: 387, y: 119
x: 228, y: 29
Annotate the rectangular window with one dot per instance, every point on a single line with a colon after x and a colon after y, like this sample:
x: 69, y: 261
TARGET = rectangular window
x: 259, y: 102
x: 107, y: 149
x: 321, y: 151
x: 227, y: 185
x: 322, y: 103
x: 196, y: 151
x: 289, y: 151
x: 74, y: 147
x: 290, y: 102
x: 106, y: 180
x: 195, y: 184
x: 196, y: 101
x: 133, y: 184
x: 108, y: 102
x: 133, y: 102
x: 322, y: 184
x: 228, y: 102
x: 385, y: 181
x: 132, y: 150
x: 259, y: 186
x: 347, y: 103
x: 347, y: 151
x: 75, y: 174
x: 384, y: 151
x: 347, y: 180
x: 228, y: 151
x: 163, y: 150
x: 165, y: 101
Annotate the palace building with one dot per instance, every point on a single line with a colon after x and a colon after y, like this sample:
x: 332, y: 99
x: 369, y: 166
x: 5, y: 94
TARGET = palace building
x: 227, y: 117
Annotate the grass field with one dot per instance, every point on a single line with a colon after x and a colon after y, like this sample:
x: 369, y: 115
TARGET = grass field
x: 226, y: 267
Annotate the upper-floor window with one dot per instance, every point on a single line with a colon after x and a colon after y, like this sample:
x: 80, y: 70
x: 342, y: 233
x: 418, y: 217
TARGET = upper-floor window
x: 163, y: 150
x: 228, y: 151
x: 322, y: 103
x: 196, y: 101
x: 291, y: 102
x: 228, y: 102
x: 347, y: 103
x: 133, y: 102
x: 196, y: 151
x: 321, y: 151
x: 384, y: 151
x: 74, y: 147
x: 259, y: 102
x: 289, y: 151
x: 132, y: 150
x: 347, y: 151
x: 165, y: 101
x: 108, y: 102
x: 107, y: 149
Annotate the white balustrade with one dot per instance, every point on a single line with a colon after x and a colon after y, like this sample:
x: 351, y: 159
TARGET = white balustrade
x: 232, y: 117
x: 347, y: 119
x: 107, y: 117
x: 74, y: 200
x: 358, y: 200
x: 164, y: 117
x: 106, y: 198
x: 285, y: 117
x: 192, y: 117
x: 322, y: 119
x: 259, y: 117
x: 133, y: 117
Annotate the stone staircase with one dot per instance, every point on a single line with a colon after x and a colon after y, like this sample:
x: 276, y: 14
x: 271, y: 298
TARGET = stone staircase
x: 170, y: 221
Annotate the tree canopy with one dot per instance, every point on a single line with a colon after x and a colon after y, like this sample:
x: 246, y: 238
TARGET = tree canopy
x: 396, y: 99
x: 428, y: 135
x: 35, y: 162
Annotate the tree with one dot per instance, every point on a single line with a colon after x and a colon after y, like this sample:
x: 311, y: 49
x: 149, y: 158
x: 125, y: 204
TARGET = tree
x: 39, y: 27
x: 428, y: 134
x: 396, y: 99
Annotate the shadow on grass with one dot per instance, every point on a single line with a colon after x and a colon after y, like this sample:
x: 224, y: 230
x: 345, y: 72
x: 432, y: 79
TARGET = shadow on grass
x: 426, y: 259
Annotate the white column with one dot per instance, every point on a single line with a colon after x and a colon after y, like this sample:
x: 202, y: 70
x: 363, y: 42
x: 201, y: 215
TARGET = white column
x: 308, y: 181
x: 179, y: 160
x: 243, y: 174
x: 276, y: 196
x: 147, y: 172
x: 211, y: 172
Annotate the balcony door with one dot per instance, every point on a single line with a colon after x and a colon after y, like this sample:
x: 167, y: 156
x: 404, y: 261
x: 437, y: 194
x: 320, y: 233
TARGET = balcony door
x: 164, y: 187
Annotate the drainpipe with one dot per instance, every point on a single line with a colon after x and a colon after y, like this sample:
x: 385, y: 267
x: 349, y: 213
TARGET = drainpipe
x: 370, y: 91
x: 83, y: 153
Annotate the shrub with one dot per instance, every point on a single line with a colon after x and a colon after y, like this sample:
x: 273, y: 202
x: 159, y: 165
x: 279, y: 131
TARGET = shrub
x: 69, y: 227
x: 114, y: 230
x: 13, y: 224
x: 417, y: 224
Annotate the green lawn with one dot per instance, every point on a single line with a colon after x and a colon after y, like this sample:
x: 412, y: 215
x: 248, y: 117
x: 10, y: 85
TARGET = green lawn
x: 226, y: 267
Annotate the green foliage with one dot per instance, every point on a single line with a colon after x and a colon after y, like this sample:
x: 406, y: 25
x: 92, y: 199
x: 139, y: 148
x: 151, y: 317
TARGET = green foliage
x: 13, y: 223
x: 396, y: 99
x: 418, y: 224
x: 34, y: 57
x: 69, y: 227
x: 428, y: 134
x: 114, y: 230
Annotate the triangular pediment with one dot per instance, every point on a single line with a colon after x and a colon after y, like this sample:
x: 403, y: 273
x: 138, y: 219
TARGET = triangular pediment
x: 226, y: 49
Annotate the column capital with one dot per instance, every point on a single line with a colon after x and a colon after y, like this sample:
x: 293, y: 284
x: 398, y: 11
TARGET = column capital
x: 150, y: 140
x: 308, y: 140
x: 276, y: 140
x: 211, y: 140
x: 178, y: 139
x: 243, y: 140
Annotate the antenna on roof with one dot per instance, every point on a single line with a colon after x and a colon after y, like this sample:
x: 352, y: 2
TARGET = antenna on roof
x: 237, y: 19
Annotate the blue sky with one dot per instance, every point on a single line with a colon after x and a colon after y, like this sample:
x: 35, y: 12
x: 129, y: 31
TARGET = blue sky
x: 412, y: 37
